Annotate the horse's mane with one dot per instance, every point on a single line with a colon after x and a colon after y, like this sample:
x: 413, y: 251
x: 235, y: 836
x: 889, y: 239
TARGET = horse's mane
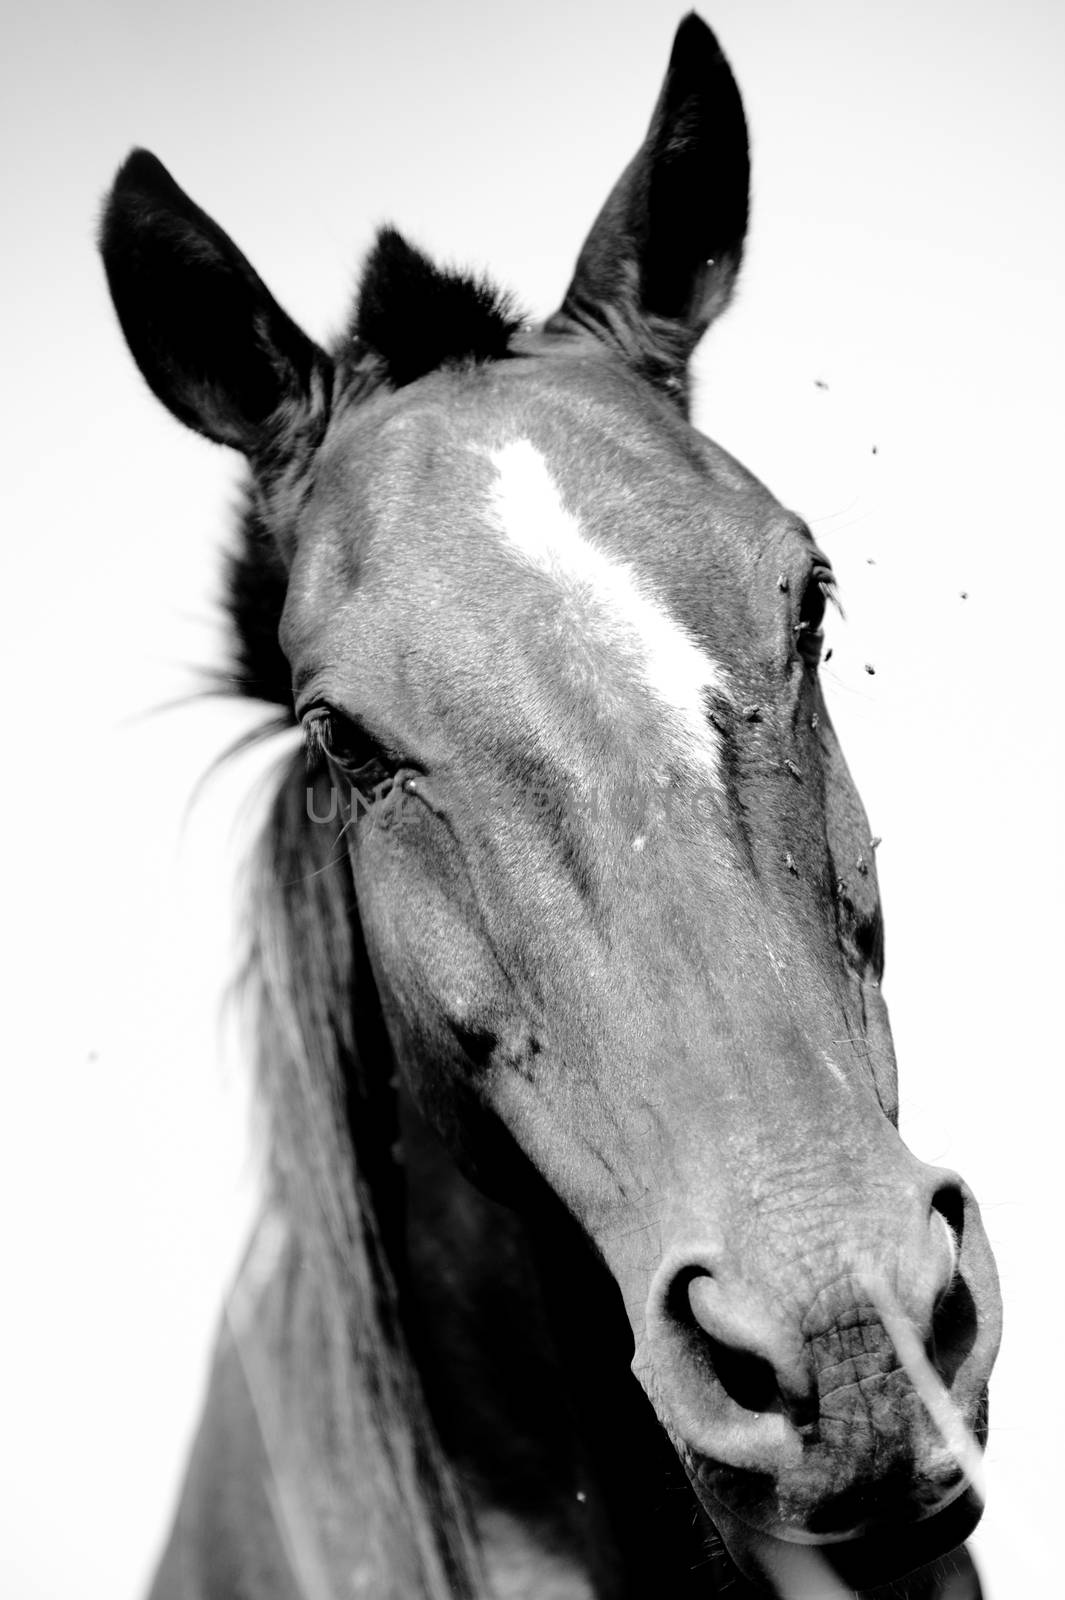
x: 416, y: 317
x: 323, y: 1069
x: 323, y: 1061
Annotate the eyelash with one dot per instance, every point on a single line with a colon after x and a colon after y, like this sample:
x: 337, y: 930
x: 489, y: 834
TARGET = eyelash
x: 819, y: 589
x: 329, y: 735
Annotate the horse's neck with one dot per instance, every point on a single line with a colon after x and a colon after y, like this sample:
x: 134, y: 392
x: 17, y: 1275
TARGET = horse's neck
x: 524, y: 1350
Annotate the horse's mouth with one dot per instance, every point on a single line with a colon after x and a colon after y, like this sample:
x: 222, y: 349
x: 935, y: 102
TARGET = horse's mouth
x: 862, y: 1557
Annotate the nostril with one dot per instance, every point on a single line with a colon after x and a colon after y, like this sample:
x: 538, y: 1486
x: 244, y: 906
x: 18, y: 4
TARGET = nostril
x: 948, y: 1222
x: 748, y: 1378
x: 949, y: 1202
x: 954, y: 1330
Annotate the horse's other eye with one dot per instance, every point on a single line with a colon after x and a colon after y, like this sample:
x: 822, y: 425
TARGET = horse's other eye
x: 820, y: 587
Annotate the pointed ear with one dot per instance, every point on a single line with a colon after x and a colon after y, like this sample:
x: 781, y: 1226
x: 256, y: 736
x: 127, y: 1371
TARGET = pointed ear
x: 208, y: 336
x: 662, y: 257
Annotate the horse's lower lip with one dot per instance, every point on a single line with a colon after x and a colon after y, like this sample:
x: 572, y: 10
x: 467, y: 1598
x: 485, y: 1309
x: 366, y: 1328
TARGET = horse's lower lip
x: 861, y: 1558
x: 861, y: 1530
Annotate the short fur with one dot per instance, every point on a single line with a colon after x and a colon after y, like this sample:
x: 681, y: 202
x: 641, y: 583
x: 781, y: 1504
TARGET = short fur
x: 411, y: 318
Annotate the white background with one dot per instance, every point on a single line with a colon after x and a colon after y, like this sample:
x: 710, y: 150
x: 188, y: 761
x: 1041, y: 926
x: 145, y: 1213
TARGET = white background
x: 906, y: 250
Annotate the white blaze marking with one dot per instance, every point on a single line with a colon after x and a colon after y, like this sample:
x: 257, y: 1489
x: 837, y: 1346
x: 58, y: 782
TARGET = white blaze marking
x: 619, y: 605
x: 834, y: 1068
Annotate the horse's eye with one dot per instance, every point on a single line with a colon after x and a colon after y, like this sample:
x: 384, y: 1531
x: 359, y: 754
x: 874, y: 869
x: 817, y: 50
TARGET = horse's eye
x: 329, y: 733
x: 809, y: 634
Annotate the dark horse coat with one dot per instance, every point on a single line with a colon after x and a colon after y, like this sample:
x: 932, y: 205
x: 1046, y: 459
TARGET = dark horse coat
x: 593, y: 1263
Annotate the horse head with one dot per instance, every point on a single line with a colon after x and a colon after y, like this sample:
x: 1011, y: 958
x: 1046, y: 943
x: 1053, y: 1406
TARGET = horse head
x: 559, y: 653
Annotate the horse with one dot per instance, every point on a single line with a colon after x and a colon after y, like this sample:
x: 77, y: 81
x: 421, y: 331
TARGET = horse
x: 591, y: 1261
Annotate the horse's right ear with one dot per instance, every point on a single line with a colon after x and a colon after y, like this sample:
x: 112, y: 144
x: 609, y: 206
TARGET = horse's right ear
x: 662, y: 257
x: 208, y: 336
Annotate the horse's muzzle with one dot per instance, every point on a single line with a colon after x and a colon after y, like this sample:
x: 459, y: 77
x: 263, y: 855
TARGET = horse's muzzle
x: 836, y: 1401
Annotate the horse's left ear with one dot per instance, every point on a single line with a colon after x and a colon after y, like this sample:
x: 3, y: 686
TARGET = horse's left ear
x: 662, y: 257
x: 207, y: 334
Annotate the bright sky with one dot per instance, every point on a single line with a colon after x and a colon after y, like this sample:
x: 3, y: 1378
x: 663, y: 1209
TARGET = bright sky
x: 906, y: 251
